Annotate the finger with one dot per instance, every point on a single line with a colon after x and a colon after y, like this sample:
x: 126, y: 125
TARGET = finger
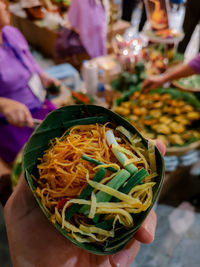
x: 161, y: 147
x: 146, y: 232
x: 21, y: 116
x: 148, y: 87
x: 145, y: 84
x: 57, y: 82
x: 125, y: 257
x: 14, y: 118
x: 10, y: 119
x: 62, y: 89
x: 29, y: 119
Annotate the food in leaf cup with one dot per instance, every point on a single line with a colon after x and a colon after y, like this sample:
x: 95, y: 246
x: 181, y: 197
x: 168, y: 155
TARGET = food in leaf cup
x: 94, y: 176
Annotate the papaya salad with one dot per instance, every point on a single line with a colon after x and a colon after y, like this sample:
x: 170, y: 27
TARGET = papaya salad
x: 94, y: 179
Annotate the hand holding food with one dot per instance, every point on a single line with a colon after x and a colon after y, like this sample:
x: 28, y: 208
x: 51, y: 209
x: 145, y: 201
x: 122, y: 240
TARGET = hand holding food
x: 16, y: 113
x: 45, y: 245
x: 152, y: 83
x: 93, y: 180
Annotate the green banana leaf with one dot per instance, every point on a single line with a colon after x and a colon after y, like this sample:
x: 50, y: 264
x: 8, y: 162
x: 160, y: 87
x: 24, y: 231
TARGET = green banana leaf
x: 53, y: 126
x: 17, y: 169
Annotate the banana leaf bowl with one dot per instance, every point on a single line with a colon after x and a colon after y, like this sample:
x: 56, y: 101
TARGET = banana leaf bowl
x: 189, y: 84
x: 188, y: 98
x: 55, y: 124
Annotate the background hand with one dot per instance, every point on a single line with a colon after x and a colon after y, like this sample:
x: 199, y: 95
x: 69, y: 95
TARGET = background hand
x: 17, y: 113
x: 151, y: 83
x: 47, y: 80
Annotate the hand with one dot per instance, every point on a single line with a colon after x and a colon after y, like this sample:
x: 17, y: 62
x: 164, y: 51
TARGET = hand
x: 152, y: 83
x: 33, y: 240
x: 17, y: 113
x: 47, y: 80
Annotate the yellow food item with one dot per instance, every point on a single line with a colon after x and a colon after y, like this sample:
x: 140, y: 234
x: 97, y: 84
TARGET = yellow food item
x: 168, y: 109
x: 161, y: 128
x: 194, y: 115
x: 157, y: 104
x: 176, y: 139
x: 174, y: 103
x: 155, y: 97
x: 165, y: 97
x: 139, y: 110
x: 196, y: 134
x: 165, y: 119
x: 156, y: 113
x: 148, y: 135
x: 149, y: 122
x: 187, y: 135
x: 135, y: 95
x: 177, y: 127
x: 133, y: 117
x: 177, y: 111
x: 126, y: 104
x: 122, y: 111
x: 181, y: 119
x: 187, y: 108
x: 180, y: 103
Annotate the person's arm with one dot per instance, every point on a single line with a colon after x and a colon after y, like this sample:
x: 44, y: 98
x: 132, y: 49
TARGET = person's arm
x: 176, y: 73
x: 154, y: 82
x: 15, y: 112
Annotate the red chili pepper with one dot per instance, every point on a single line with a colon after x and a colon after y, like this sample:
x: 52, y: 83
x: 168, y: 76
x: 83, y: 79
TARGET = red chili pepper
x: 110, y: 146
x: 81, y: 97
x: 62, y: 202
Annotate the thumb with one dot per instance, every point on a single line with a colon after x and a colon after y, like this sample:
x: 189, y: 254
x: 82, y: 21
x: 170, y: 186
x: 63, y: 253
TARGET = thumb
x: 146, y: 87
x: 146, y: 232
x: 161, y: 146
x: 125, y: 257
x: 29, y: 119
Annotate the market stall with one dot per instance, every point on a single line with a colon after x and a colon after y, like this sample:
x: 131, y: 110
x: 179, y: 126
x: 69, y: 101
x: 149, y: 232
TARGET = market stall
x: 53, y: 26
x: 115, y: 80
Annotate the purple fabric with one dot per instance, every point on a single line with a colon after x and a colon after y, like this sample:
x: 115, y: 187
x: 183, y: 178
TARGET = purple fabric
x: 14, y: 75
x: 89, y: 19
x: 68, y: 44
x: 13, y: 138
x: 195, y: 64
x: 16, y: 67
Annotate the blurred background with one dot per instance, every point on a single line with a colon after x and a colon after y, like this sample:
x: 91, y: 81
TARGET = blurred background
x: 103, y: 58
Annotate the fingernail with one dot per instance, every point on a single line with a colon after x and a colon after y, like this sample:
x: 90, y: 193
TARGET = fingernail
x: 121, y: 259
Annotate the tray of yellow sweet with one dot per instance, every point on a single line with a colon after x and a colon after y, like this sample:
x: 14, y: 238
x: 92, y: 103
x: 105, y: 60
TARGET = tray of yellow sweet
x: 169, y: 115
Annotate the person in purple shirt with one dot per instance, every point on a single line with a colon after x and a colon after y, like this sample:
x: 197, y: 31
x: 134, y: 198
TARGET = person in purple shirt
x: 184, y: 70
x: 18, y: 103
